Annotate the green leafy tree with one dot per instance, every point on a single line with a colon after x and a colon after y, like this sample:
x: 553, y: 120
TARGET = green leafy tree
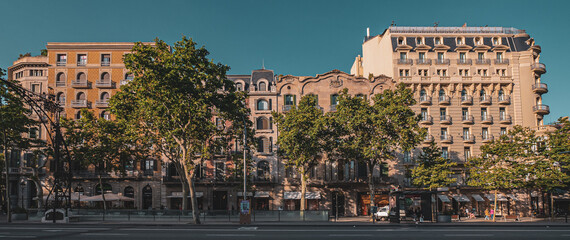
x: 433, y: 170
x: 174, y: 97
x: 302, y: 131
x: 105, y: 144
x: 372, y: 133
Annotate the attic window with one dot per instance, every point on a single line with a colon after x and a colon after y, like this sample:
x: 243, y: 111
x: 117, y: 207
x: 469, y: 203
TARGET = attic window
x: 401, y: 41
x: 479, y: 41
x: 419, y: 40
x: 460, y: 41
x: 438, y: 40
x: 496, y: 41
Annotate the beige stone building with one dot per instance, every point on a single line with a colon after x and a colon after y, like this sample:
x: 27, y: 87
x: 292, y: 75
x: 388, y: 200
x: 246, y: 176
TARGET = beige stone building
x: 472, y: 84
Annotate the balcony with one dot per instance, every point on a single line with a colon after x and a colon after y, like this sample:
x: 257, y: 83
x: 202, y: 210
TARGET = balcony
x: 405, y: 78
x: 104, y: 84
x: 13, y: 170
x: 442, y: 61
x: 466, y: 78
x: 426, y: 119
x: 504, y: 99
x: 423, y: 61
x: 79, y: 103
x: 428, y: 139
x: 541, y: 109
x: 464, y: 61
x: 405, y: 61
x: 486, y: 99
x: 81, y: 63
x: 425, y: 78
x: 466, y: 100
x: 487, y: 119
x: 538, y: 68
x: 106, y: 63
x: 80, y: 84
x: 467, y: 119
x: 468, y: 138
x: 60, y: 84
x: 332, y: 108
x: 287, y: 108
x: 536, y: 48
x: 425, y: 100
x: 102, y: 103
x: 483, y: 61
x: 487, y: 138
x: 505, y: 119
x: 61, y: 63
x: 444, y: 100
x: 445, y: 119
x: 446, y: 138
x: 444, y: 78
x: 501, y: 61
x: 540, y: 88
x: 125, y: 81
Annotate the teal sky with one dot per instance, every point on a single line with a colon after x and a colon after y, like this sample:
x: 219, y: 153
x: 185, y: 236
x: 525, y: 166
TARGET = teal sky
x: 305, y: 37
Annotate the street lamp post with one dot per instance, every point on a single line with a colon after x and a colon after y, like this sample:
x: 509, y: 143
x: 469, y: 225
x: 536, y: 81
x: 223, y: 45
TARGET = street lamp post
x: 22, y: 185
x: 79, y: 190
x: 7, y: 167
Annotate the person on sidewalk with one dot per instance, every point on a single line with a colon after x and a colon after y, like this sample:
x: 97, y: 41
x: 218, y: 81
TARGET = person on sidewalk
x: 487, y: 214
x: 492, y: 213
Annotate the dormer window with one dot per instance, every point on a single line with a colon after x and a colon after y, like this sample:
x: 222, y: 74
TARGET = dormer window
x: 496, y: 41
x: 419, y: 41
x: 478, y: 41
x: 401, y: 41
x: 460, y: 41
x: 438, y: 40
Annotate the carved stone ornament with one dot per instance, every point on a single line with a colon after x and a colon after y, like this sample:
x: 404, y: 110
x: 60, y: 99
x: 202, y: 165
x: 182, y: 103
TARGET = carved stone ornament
x: 336, y: 82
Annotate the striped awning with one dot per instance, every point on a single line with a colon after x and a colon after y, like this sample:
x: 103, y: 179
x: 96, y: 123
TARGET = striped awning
x: 297, y: 195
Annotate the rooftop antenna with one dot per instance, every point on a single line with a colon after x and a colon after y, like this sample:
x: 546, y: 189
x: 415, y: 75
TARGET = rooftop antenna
x: 263, y: 64
x: 392, y: 24
x: 436, y: 24
x: 367, y: 32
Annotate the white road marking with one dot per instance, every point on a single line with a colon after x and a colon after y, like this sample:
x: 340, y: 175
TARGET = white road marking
x: 104, y: 234
x: 350, y: 235
x: 347, y: 230
x: 469, y: 235
x: 231, y: 235
x: 248, y: 228
x: 17, y: 236
x: 48, y: 228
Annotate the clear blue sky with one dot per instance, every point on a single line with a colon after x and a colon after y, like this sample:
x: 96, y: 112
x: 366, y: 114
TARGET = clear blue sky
x: 304, y: 37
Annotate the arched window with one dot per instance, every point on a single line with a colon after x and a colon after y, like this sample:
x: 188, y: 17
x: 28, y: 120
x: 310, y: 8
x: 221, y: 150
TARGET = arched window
x: 129, y: 76
x: 262, y: 123
x: 60, y: 77
x: 262, y: 105
x: 401, y: 41
x: 239, y: 87
x: 441, y: 92
x: 263, y: 171
x: 80, y: 96
x: 107, y: 188
x: 60, y: 97
x: 478, y: 41
x: 104, y: 96
x: 81, y: 77
x: 105, y: 76
x: 262, y: 86
x: 129, y: 192
x: 419, y: 40
x: 105, y: 115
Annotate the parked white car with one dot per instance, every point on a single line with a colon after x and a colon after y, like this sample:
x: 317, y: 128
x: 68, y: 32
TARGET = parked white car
x: 382, y: 213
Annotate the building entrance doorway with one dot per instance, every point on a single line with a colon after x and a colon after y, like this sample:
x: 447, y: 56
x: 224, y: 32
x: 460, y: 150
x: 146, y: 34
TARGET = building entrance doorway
x: 338, y: 204
x: 220, y: 200
x: 147, y: 197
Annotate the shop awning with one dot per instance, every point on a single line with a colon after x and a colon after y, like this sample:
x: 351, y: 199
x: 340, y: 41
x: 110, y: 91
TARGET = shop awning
x: 179, y: 195
x: 443, y: 198
x: 297, y: 195
x: 513, y: 197
x: 500, y: 197
x: 461, y: 198
x: 260, y: 194
x: 477, y: 197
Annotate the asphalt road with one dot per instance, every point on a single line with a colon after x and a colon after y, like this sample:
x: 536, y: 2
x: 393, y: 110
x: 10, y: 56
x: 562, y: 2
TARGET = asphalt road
x: 124, y: 232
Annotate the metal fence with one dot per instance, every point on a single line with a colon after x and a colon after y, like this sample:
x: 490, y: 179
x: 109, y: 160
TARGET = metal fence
x: 85, y: 215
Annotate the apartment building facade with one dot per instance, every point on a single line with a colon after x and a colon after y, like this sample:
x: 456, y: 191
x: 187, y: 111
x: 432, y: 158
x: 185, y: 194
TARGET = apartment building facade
x: 472, y: 84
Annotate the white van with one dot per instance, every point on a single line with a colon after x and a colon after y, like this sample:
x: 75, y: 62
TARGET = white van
x: 382, y: 213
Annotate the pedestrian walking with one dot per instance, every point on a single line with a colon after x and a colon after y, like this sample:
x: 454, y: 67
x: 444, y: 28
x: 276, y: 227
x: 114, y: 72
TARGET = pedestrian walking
x: 487, y: 214
x: 467, y: 213
x: 492, y: 213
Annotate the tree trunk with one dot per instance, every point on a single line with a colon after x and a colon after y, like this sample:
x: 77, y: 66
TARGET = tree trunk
x: 371, y: 187
x: 184, y: 184
x: 303, y: 189
x: 103, y: 195
x: 189, y: 175
x: 530, y: 206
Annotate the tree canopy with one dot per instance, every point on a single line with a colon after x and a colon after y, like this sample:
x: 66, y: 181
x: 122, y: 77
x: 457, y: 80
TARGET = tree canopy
x: 433, y: 170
